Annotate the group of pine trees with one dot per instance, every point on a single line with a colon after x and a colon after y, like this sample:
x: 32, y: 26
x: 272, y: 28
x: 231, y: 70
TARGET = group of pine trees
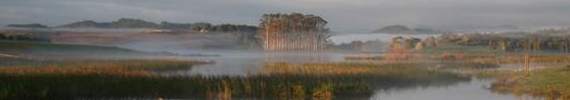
x: 404, y: 43
x: 293, y: 32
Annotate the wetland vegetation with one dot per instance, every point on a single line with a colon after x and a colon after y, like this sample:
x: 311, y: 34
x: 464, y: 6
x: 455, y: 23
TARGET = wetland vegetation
x: 120, y: 79
x: 549, y: 83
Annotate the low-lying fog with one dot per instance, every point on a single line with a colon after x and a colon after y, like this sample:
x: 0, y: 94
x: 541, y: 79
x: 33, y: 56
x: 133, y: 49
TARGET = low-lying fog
x: 384, y: 37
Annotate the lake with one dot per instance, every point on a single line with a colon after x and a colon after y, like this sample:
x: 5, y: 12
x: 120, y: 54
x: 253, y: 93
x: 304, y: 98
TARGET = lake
x: 245, y: 63
x: 241, y: 63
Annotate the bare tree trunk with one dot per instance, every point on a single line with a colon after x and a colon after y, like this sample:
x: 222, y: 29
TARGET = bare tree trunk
x: 527, y: 63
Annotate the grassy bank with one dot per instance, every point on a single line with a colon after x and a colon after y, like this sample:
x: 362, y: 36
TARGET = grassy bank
x: 58, y: 50
x: 16, y: 46
x: 551, y: 83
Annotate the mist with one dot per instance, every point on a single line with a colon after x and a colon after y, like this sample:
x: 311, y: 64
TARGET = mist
x: 185, y: 42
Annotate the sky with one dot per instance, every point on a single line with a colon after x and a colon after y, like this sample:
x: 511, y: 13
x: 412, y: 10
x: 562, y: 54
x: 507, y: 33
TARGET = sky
x: 343, y: 15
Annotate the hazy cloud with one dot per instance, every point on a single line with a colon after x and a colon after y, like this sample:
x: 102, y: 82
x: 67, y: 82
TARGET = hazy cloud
x: 343, y: 15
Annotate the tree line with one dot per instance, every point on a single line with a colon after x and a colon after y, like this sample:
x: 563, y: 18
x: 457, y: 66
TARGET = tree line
x: 542, y: 40
x: 139, y: 23
x: 359, y: 46
x: 23, y: 38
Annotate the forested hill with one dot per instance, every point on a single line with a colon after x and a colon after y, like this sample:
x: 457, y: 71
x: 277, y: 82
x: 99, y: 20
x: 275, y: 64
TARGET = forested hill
x: 121, y: 23
x: 139, y: 23
x: 401, y: 29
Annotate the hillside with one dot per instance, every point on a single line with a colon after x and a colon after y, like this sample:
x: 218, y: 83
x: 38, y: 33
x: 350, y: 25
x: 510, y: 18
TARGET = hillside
x: 393, y: 29
x: 87, y: 23
x: 139, y: 23
x: 57, y: 50
x: 121, y: 23
x: 133, y: 23
x: 401, y: 29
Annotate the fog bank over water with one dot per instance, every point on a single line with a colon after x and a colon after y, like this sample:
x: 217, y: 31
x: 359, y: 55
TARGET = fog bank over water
x: 343, y: 15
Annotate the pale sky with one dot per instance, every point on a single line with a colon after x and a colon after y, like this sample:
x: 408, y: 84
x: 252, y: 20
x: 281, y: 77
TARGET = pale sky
x: 343, y: 15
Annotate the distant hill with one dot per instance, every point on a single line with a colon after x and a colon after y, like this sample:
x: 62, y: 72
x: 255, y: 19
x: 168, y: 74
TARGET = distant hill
x: 128, y: 23
x: 133, y: 23
x: 121, y: 23
x: 138, y: 23
x: 393, y: 29
x: 87, y: 23
x: 33, y: 25
x: 400, y: 29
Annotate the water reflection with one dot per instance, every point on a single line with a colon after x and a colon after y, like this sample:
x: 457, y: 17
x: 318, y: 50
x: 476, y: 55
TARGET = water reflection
x: 476, y: 89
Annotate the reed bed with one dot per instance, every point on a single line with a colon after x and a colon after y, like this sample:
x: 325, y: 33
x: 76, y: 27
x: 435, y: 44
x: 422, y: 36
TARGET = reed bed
x: 141, y: 87
x: 133, y: 79
x: 98, y: 67
x: 278, y: 87
x: 383, y: 68
x: 341, y: 69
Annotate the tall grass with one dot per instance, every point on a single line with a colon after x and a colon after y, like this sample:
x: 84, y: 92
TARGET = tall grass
x: 197, y: 87
x: 103, y: 67
x: 383, y: 68
x: 96, y: 80
x: 120, y: 87
x: 341, y: 69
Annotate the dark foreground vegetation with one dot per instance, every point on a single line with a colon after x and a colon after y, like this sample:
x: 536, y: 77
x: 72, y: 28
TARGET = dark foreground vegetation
x: 141, y: 79
x: 122, y: 87
x: 40, y: 79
